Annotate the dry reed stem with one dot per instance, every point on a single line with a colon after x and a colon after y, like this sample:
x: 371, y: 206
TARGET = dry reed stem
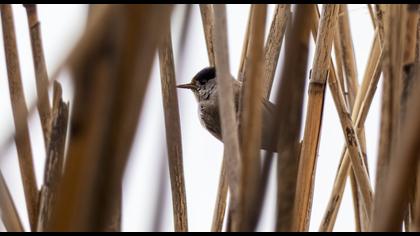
x: 273, y: 45
x: 220, y: 206
x: 289, y: 113
x: 308, y: 156
x: 228, y: 114
x: 243, y: 68
x: 390, y: 108
x: 55, y: 158
x: 401, y: 170
x: 349, y: 60
x: 102, y: 146
x: 207, y: 17
x: 351, y: 141
x: 379, y: 13
x: 359, y: 113
x: 40, y: 70
x: 415, y: 226
x: 411, y: 35
x: 408, y: 80
x: 23, y: 144
x: 251, y: 118
x: 352, y: 85
x: 339, y: 59
x: 89, y: 38
x: 271, y: 56
x: 9, y: 214
x: 161, y: 191
x: 372, y: 15
x: 351, y: 138
x: 173, y: 133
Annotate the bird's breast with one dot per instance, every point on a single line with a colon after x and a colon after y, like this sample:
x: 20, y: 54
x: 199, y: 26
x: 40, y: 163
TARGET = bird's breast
x: 209, y: 118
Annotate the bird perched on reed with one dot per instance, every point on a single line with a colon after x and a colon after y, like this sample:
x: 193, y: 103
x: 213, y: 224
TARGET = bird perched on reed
x: 204, y: 87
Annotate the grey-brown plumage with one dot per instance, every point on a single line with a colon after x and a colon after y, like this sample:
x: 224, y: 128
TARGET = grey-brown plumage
x: 204, y: 87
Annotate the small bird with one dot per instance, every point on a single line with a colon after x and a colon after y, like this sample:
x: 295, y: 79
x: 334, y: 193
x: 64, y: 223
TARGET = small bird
x: 204, y: 87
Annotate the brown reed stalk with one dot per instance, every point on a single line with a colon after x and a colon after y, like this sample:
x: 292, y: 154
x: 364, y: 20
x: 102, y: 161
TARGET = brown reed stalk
x: 23, y: 144
x: 273, y: 45
x: 339, y: 59
x: 407, y: 83
x: 228, y: 117
x: 173, y: 133
x: 243, y: 68
x: 379, y: 13
x: 352, y: 85
x: 415, y: 221
x: 289, y: 113
x: 161, y: 192
x: 372, y: 15
x: 207, y: 16
x: 91, y: 37
x: 220, y: 206
x: 251, y: 118
x: 55, y: 158
x: 390, y: 108
x: 271, y: 56
x: 402, y: 166
x: 102, y: 146
x: 308, y: 156
x: 411, y: 34
x: 359, y: 113
x: 9, y: 214
x: 40, y: 70
x: 351, y: 138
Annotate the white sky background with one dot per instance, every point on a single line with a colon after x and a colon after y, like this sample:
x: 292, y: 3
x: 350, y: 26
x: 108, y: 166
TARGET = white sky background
x: 61, y: 26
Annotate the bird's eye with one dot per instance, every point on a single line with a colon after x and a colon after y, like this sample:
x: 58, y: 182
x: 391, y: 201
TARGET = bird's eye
x: 202, y: 82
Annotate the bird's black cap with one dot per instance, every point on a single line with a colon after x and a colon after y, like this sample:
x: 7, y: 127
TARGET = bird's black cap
x: 206, y: 74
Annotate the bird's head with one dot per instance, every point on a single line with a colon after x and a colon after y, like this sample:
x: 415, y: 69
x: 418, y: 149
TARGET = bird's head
x: 202, y: 84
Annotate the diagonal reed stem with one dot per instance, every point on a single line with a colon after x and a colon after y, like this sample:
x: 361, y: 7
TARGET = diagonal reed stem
x: 359, y: 113
x: 9, y: 214
x: 350, y: 136
x: 40, y: 70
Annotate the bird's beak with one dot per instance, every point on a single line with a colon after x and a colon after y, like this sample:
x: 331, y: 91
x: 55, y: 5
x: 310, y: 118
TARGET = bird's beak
x: 187, y: 86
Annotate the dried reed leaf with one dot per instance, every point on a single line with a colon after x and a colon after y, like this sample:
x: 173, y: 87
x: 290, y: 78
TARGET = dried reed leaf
x: 55, y: 158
